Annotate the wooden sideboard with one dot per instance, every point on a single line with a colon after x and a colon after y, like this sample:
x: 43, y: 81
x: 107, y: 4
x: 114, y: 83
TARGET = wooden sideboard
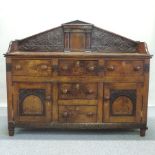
x: 77, y: 76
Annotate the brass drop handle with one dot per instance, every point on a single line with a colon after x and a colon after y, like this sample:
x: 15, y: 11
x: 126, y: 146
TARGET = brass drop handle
x: 77, y: 86
x: 64, y: 90
x: 90, y: 114
x: 65, y: 114
x: 77, y: 63
x: 137, y: 68
x: 110, y: 68
x: 91, y: 68
x: 44, y: 67
x: 106, y: 97
x: 18, y: 67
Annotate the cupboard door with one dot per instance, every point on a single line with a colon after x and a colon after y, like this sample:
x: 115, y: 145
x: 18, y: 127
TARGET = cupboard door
x: 32, y: 102
x: 122, y: 102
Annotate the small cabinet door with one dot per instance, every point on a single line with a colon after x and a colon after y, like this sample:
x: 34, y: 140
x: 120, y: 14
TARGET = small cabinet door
x: 32, y: 102
x: 122, y: 102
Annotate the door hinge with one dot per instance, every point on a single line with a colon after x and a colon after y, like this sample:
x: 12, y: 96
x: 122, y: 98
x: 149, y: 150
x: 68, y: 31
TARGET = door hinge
x: 146, y: 67
x: 8, y: 67
x: 55, y: 67
x: 141, y: 116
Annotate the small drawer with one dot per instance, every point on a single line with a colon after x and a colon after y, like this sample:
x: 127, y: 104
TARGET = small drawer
x: 77, y: 90
x: 69, y: 67
x: 123, y: 67
x: 77, y: 114
x: 31, y: 67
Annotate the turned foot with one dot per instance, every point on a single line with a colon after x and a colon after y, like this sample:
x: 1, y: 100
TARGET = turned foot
x: 142, y: 131
x: 11, y: 128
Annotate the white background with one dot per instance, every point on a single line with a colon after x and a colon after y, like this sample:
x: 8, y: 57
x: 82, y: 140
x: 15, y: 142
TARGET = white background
x: 134, y: 19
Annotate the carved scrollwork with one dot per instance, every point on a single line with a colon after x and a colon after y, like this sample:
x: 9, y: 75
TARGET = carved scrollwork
x: 105, y: 41
x: 96, y: 40
x: 52, y: 40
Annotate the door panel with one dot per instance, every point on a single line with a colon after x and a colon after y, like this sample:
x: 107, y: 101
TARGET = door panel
x: 122, y: 102
x: 32, y: 102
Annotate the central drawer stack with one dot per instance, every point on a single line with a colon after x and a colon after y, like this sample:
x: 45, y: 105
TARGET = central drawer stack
x: 78, y: 101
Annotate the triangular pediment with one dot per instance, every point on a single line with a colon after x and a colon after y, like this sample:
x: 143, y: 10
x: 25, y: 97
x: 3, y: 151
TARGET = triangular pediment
x: 76, y: 22
x: 100, y: 40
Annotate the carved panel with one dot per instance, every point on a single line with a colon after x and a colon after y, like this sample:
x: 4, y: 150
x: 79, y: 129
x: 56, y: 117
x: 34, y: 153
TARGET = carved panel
x: 32, y: 101
x: 77, y: 41
x: 52, y: 40
x: 122, y: 102
x: 77, y: 36
x: 106, y: 41
x: 32, y: 105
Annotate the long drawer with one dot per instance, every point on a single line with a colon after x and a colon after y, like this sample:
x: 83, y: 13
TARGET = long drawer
x: 77, y: 91
x: 123, y: 67
x: 77, y: 114
x: 79, y: 67
x: 28, y: 67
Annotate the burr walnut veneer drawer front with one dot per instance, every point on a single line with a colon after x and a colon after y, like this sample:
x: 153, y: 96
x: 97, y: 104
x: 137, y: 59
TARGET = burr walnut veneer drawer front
x: 77, y: 90
x: 31, y: 67
x: 77, y: 114
x: 123, y: 67
x: 69, y: 67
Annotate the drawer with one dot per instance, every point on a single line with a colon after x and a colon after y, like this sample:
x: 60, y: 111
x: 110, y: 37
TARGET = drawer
x: 77, y: 90
x: 77, y: 114
x: 31, y: 67
x: 69, y: 67
x: 123, y: 67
